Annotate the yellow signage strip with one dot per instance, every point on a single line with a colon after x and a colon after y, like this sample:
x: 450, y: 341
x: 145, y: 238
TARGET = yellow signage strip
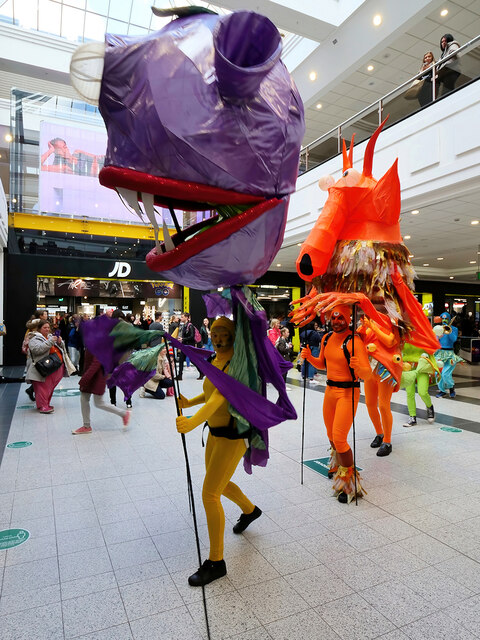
x: 84, y: 226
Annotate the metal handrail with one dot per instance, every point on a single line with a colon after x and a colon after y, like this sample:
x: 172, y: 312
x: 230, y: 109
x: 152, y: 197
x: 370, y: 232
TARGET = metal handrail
x: 326, y: 136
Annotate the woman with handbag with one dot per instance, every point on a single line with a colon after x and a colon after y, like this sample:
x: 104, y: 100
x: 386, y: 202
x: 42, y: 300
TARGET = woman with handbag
x: 425, y: 90
x: 47, y: 364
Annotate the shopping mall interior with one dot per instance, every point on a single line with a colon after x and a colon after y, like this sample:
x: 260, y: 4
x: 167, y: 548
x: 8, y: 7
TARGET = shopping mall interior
x: 97, y: 537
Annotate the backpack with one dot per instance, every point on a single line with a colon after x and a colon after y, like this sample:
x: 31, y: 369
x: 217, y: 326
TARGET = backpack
x: 196, y: 335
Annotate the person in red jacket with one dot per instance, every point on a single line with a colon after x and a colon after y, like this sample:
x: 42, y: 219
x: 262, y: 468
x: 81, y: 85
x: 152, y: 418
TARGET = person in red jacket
x: 93, y: 382
x: 343, y: 371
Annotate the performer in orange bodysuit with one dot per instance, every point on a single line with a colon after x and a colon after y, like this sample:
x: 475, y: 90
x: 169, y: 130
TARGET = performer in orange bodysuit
x: 343, y: 371
x: 384, y: 350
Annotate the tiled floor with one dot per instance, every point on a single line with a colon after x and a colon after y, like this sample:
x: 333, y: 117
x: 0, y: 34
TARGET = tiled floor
x: 111, y: 540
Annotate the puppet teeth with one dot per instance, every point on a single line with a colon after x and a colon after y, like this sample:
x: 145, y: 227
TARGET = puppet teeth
x: 147, y: 199
x: 167, y: 240
x: 86, y: 70
x: 130, y: 197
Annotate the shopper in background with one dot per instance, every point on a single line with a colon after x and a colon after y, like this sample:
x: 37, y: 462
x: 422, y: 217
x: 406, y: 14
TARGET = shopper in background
x: 186, y: 335
x: 73, y: 343
x: 174, y: 324
x: 40, y: 345
x: 449, y: 72
x: 32, y: 326
x: 425, y: 93
x: 284, y: 347
x: 274, y: 332
x: 93, y: 382
x: 309, y: 337
x: 156, y: 326
x: 206, y: 335
x: 161, y: 380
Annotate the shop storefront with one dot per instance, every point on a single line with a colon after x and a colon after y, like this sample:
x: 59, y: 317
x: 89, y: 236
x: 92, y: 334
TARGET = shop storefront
x: 80, y: 285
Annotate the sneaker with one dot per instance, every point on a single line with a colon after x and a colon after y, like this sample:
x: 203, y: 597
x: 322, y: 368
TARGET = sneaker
x: 385, y: 450
x: 129, y: 404
x: 245, y: 519
x: 49, y: 410
x: 412, y: 422
x: 377, y: 441
x: 126, y: 418
x: 208, y: 572
x: 81, y: 431
x: 430, y: 414
x: 142, y: 393
x: 452, y: 392
x: 440, y: 394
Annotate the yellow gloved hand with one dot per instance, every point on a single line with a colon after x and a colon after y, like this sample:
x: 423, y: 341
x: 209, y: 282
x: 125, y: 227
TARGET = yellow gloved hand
x: 183, y: 402
x: 184, y: 424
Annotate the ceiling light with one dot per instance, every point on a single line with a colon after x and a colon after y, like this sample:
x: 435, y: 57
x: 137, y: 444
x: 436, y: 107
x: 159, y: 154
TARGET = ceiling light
x: 439, y: 258
x: 473, y: 262
x: 410, y: 255
x: 474, y: 222
x: 415, y: 211
x: 444, y: 12
x: 426, y: 264
x: 312, y: 75
x: 377, y: 20
x: 319, y: 105
x: 0, y: 155
x: 451, y: 277
x: 8, y: 137
x: 14, y: 200
x: 370, y: 67
x: 407, y: 237
x: 299, y: 244
x: 278, y: 264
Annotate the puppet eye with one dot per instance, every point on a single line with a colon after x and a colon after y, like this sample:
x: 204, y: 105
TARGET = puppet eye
x: 371, y: 347
x: 397, y: 358
x: 351, y: 177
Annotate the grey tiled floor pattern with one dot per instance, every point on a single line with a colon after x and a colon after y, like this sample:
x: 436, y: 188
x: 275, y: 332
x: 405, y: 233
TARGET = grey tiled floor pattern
x: 111, y: 541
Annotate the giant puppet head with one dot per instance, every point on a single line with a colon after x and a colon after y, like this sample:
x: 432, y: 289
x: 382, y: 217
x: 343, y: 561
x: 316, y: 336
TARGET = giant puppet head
x: 200, y: 116
x: 355, y: 245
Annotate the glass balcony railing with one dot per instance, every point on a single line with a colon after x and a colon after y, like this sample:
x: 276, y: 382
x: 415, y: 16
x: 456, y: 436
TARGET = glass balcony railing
x: 398, y: 104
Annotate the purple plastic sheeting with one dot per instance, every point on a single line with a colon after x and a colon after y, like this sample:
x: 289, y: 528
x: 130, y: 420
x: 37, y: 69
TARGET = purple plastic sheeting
x: 217, y: 305
x: 165, y: 115
x: 239, y: 259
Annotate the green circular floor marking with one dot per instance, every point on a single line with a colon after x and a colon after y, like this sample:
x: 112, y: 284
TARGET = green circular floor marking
x: 18, y: 445
x: 451, y: 429
x: 13, y: 537
x: 66, y: 392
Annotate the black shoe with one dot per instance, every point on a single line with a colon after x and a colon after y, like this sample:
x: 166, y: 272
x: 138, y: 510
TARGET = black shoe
x: 208, y: 572
x: 412, y: 422
x: 245, y: 519
x: 377, y: 442
x: 30, y: 393
x: 342, y: 497
x: 129, y: 405
x: 179, y: 378
x: 385, y: 450
x: 452, y: 392
x: 430, y: 414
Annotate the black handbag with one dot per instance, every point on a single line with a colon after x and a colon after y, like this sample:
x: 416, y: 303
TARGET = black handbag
x: 48, y: 364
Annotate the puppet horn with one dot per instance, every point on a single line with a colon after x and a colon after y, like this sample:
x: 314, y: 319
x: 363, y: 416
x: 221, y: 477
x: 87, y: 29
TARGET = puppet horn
x: 247, y: 46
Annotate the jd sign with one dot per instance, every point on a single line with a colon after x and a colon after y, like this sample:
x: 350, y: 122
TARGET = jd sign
x: 121, y: 270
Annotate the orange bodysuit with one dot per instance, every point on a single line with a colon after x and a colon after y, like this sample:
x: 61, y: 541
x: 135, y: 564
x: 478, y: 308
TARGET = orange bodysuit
x: 337, y: 404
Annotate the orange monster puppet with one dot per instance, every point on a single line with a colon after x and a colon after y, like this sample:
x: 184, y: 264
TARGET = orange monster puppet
x: 355, y: 255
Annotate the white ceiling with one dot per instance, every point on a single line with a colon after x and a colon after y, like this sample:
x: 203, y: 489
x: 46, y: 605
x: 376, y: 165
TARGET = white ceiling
x: 432, y: 230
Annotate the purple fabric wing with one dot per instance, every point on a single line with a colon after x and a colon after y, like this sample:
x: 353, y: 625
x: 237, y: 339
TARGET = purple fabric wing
x: 97, y: 339
x: 217, y: 305
x: 129, y: 379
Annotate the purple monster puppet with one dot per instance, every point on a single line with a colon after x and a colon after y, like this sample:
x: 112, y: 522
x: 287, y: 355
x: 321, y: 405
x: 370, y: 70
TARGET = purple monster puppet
x: 202, y: 115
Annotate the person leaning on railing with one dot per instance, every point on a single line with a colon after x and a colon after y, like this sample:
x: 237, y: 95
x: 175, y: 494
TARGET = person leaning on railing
x: 449, y: 72
x: 425, y: 94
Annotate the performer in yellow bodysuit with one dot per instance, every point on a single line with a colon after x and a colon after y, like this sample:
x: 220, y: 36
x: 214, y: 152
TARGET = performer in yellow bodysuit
x: 224, y: 450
